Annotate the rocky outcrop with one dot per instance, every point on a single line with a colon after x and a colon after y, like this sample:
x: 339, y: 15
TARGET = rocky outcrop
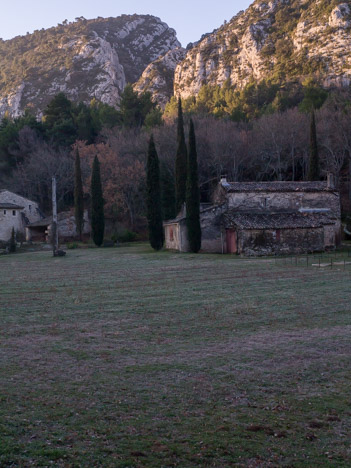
x: 158, y: 77
x: 85, y: 59
x: 283, y: 39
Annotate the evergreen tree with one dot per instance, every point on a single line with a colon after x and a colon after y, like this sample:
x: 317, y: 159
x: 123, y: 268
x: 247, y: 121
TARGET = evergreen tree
x: 97, y: 205
x: 78, y: 197
x: 193, y: 195
x: 167, y: 192
x: 58, y: 121
x: 12, y: 246
x: 313, y: 172
x: 154, y: 209
x: 84, y: 123
x: 181, y: 162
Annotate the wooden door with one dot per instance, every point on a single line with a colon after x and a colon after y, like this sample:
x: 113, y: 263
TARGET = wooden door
x: 231, y: 241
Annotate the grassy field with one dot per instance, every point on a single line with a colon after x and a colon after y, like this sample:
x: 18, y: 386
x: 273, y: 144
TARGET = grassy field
x: 128, y: 358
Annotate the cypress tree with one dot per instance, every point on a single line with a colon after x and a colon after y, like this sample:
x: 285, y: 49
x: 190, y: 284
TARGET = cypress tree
x: 97, y: 205
x: 12, y: 246
x: 193, y: 195
x: 167, y: 192
x: 313, y: 171
x: 181, y: 162
x: 78, y: 197
x: 154, y: 208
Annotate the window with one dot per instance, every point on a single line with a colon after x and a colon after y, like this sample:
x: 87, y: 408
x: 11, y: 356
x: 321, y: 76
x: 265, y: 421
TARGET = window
x: 4, y: 211
x: 171, y: 234
x: 13, y: 212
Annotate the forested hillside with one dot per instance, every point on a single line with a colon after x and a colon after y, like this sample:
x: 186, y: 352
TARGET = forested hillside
x: 85, y: 59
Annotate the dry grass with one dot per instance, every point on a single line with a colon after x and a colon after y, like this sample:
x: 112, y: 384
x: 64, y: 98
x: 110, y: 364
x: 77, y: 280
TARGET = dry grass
x: 129, y: 358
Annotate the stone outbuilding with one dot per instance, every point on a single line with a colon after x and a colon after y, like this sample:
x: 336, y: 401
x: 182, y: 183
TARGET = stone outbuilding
x: 265, y: 218
x: 40, y: 231
x: 16, y: 212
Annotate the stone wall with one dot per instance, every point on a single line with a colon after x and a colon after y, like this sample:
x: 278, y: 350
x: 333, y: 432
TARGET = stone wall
x: 284, y: 201
x: 10, y: 219
x: 211, y: 232
x: 211, y: 237
x: 67, y: 225
x: 280, y: 241
x: 30, y: 208
x: 172, y: 236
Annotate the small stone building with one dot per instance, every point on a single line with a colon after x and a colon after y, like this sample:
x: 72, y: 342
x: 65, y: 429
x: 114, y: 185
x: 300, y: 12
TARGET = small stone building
x: 16, y: 212
x: 40, y: 231
x: 265, y: 218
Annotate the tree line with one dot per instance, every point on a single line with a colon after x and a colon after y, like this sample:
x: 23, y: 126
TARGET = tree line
x: 275, y: 146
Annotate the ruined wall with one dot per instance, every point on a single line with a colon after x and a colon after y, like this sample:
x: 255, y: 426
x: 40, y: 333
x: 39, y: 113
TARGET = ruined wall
x: 67, y: 225
x: 280, y: 241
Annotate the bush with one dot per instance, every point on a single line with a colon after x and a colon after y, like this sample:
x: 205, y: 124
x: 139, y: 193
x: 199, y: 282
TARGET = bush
x: 72, y: 245
x: 126, y: 236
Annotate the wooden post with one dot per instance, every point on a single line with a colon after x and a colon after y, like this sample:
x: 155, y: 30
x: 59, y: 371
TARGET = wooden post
x: 54, y: 230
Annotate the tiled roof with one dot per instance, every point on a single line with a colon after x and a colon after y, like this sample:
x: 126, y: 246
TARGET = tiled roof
x: 10, y: 206
x: 275, y: 220
x: 276, y: 186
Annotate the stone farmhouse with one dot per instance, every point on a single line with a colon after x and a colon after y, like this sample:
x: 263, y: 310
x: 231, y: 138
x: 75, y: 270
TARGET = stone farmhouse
x: 16, y: 212
x: 265, y: 218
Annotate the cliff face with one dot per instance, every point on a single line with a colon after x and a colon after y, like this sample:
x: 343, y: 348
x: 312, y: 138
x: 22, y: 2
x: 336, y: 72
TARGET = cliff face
x: 280, y: 39
x: 85, y: 59
x: 158, y: 77
x: 284, y: 39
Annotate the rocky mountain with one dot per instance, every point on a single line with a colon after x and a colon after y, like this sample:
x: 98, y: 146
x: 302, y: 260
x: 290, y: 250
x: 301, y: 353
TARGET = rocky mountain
x: 158, y: 77
x: 279, y: 39
x: 85, y: 59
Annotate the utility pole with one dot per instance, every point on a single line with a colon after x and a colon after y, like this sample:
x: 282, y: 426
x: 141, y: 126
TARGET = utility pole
x: 54, y: 230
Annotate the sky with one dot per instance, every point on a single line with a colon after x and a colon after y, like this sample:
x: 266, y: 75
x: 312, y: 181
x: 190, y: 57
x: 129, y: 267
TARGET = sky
x: 190, y: 18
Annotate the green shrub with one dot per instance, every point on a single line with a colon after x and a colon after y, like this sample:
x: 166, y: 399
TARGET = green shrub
x: 72, y: 245
x: 126, y: 236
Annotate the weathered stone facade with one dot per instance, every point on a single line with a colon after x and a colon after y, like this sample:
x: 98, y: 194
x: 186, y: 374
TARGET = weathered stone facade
x: 265, y: 218
x: 16, y: 212
x: 41, y: 230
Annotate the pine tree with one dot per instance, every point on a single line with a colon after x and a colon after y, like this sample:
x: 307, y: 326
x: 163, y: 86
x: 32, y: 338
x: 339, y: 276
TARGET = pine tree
x: 193, y: 195
x: 78, y: 197
x: 154, y: 208
x: 313, y: 172
x: 97, y: 205
x: 181, y: 162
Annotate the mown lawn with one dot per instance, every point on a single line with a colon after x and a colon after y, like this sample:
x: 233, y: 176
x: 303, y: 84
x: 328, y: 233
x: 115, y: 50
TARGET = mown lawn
x: 128, y: 358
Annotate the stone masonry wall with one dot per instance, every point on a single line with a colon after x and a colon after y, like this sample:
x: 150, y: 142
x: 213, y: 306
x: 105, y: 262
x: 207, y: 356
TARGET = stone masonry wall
x: 31, y: 208
x: 10, y: 219
x: 284, y: 201
x: 280, y: 241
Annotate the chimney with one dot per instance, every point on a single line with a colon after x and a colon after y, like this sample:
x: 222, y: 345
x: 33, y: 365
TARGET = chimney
x: 330, y: 181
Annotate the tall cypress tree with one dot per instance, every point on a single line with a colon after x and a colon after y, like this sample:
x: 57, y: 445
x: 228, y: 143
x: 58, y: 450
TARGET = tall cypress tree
x: 193, y: 195
x: 167, y: 192
x: 154, y: 207
x: 181, y: 162
x: 313, y: 171
x: 97, y: 205
x: 78, y: 197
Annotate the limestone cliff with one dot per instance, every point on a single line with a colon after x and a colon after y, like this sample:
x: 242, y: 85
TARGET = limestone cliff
x: 158, y: 77
x: 84, y: 59
x: 281, y: 39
